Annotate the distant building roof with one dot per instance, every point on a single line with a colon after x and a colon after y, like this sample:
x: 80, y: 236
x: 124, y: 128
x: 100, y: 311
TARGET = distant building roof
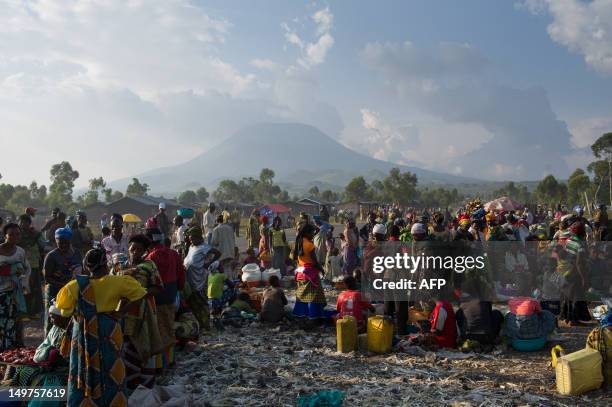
x: 312, y: 201
x: 149, y: 200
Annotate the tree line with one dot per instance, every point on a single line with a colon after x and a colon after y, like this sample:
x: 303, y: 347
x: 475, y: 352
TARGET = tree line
x: 397, y: 187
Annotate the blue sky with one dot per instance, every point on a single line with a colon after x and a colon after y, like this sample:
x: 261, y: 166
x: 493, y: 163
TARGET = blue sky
x: 519, y: 89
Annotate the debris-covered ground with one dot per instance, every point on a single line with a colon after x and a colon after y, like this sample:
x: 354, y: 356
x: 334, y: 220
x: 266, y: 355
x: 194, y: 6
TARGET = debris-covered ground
x: 262, y: 365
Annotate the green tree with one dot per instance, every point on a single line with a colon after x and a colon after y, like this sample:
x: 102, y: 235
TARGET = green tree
x: 357, y: 189
x: 38, y: 194
x: 577, y: 184
x: 187, y: 197
x: 92, y: 195
x: 314, y: 191
x: 62, y: 184
x: 400, y: 187
x: 329, y: 196
x: 20, y: 199
x: 518, y: 192
x: 550, y: 191
x: 602, y: 149
x: 227, y: 191
x: 439, y: 197
x: 266, y: 175
x: 6, y: 192
x: 202, y: 194
x: 136, y: 188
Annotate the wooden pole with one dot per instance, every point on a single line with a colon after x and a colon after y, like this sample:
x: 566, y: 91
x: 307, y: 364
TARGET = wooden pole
x: 586, y: 199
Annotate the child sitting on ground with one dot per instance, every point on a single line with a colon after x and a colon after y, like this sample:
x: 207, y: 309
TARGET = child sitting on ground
x: 220, y: 289
x: 274, y: 301
x: 350, y: 302
x: 243, y: 303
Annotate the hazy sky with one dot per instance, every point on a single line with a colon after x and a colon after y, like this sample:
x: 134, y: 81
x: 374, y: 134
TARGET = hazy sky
x: 503, y: 90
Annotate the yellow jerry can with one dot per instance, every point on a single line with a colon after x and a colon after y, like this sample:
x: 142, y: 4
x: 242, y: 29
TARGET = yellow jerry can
x: 380, y: 334
x: 346, y: 334
x: 579, y: 372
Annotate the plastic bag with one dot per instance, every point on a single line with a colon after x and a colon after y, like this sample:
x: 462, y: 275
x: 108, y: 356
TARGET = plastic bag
x: 160, y: 396
x: 325, y: 398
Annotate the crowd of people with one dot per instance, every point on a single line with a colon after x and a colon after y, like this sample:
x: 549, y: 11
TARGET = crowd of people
x: 117, y: 308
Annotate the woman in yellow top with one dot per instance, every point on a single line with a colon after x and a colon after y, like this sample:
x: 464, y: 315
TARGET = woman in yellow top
x: 310, y: 298
x: 279, y: 245
x: 97, y: 302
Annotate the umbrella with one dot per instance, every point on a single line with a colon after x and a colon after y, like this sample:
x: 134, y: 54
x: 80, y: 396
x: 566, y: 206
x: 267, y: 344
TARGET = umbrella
x: 502, y: 203
x: 131, y: 218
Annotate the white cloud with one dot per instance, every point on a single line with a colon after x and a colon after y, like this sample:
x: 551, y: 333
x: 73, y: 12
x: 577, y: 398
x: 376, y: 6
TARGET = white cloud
x: 85, y: 80
x: 585, y: 132
x: 584, y: 27
x: 313, y: 53
x: 265, y: 64
x: 385, y: 142
x: 522, y: 136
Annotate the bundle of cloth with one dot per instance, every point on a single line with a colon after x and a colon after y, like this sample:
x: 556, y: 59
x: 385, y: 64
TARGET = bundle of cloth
x: 600, y: 339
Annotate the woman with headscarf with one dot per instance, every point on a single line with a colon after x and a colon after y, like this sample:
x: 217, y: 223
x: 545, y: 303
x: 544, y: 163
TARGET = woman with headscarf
x: 170, y: 267
x: 59, y: 267
x: 252, y: 232
x: 141, y: 331
x: 14, y: 276
x: 279, y: 245
x: 310, y: 298
x: 264, y: 243
x: 572, y: 264
x: 349, y: 247
x: 97, y: 302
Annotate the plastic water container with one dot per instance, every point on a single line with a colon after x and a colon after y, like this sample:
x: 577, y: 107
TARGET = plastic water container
x: 185, y: 212
x: 251, y: 275
x: 579, y: 372
x: 380, y: 334
x: 529, y: 345
x: 346, y: 334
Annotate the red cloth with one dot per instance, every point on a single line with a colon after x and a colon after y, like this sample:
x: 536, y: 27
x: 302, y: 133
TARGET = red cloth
x: 448, y: 336
x: 524, y: 306
x: 351, y: 303
x: 169, y: 265
x: 5, y: 270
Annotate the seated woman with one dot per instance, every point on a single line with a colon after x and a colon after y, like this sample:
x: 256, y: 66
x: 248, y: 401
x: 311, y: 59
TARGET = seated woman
x: 49, y: 349
x: 97, y: 369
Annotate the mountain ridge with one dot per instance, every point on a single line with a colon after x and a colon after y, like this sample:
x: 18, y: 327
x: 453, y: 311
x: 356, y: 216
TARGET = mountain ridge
x: 298, y: 153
